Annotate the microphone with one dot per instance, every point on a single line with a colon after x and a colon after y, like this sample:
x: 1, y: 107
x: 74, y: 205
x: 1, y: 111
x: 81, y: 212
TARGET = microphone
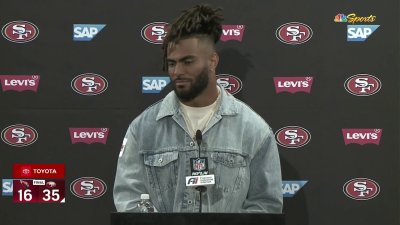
x: 199, y: 138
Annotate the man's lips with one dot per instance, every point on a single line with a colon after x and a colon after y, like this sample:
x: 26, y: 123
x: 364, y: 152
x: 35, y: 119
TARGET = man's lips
x: 181, y: 81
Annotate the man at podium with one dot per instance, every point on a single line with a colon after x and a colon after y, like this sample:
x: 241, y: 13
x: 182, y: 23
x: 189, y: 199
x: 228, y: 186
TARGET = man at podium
x: 199, y: 149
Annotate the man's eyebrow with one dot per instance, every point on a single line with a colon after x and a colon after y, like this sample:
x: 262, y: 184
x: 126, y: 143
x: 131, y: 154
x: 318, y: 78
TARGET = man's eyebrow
x: 182, y: 59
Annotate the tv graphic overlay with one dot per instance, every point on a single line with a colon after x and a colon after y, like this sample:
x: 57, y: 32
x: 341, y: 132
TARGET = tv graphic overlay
x: 38, y: 190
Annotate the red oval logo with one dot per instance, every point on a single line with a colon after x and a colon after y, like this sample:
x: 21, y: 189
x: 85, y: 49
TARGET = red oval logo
x: 294, y: 33
x: 292, y: 136
x: 361, y: 189
x: 20, y: 31
x: 362, y: 85
x: 89, y: 84
x: 19, y: 135
x: 231, y: 83
x: 88, y: 187
x: 154, y: 32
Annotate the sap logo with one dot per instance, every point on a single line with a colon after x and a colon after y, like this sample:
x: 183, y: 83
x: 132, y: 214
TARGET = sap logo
x: 7, y: 187
x: 360, y: 32
x: 154, y: 84
x: 86, y: 32
x: 362, y: 136
x: 291, y: 187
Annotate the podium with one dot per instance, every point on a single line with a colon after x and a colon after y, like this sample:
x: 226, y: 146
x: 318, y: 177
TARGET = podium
x: 197, y: 219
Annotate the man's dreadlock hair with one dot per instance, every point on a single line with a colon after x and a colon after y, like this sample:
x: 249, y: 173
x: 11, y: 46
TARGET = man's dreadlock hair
x: 199, y: 21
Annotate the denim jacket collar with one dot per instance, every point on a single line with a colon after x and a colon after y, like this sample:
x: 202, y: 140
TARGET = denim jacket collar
x: 170, y: 105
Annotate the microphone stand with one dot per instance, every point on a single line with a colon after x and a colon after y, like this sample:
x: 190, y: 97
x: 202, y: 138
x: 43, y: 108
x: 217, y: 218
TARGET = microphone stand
x: 201, y: 189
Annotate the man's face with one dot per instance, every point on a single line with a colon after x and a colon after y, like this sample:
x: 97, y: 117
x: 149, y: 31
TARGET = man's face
x: 188, y: 66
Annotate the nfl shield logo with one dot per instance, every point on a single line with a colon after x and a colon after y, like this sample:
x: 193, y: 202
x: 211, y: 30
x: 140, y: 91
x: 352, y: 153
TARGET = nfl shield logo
x: 199, y: 164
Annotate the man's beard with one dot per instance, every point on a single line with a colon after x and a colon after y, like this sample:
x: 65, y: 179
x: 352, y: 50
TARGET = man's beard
x: 196, y: 87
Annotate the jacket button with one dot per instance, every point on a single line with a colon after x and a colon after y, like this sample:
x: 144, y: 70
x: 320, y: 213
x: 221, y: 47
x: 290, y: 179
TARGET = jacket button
x: 160, y: 160
x: 191, y: 144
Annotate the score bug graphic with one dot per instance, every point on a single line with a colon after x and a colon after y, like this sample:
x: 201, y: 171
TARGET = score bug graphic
x: 47, y: 191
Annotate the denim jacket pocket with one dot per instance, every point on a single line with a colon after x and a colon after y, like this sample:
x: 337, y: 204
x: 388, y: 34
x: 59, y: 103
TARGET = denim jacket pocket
x: 229, y: 159
x: 162, y: 169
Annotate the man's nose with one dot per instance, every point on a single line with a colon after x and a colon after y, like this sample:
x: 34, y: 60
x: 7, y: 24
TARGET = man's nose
x: 177, y: 70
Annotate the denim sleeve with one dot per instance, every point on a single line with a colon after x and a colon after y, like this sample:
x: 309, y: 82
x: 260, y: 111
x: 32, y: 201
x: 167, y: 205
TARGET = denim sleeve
x: 129, y: 179
x: 265, y: 190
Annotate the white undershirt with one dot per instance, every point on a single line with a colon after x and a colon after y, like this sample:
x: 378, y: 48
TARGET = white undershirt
x: 197, y: 118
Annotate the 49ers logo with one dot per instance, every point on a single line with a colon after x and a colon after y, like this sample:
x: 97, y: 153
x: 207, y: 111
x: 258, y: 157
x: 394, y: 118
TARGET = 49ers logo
x: 19, y: 135
x: 292, y: 137
x: 231, y: 83
x: 20, y: 31
x: 89, y: 84
x: 361, y: 189
x: 154, y: 32
x: 362, y: 85
x: 294, y: 33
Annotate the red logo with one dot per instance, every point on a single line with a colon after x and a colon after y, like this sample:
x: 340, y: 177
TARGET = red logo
x: 292, y: 137
x: 20, y: 82
x: 89, y: 84
x: 20, y: 31
x: 361, y: 189
x: 362, y: 136
x: 232, y: 32
x: 38, y: 171
x: 88, y: 135
x: 88, y: 187
x: 362, y: 85
x: 231, y: 83
x: 293, y: 84
x: 294, y: 33
x: 19, y: 135
x: 155, y: 32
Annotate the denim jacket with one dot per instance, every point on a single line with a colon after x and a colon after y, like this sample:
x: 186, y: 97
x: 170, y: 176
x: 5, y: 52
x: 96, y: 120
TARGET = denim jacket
x: 241, y: 151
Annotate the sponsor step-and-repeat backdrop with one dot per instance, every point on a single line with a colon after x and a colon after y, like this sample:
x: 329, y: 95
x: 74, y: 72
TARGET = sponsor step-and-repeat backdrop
x: 324, y: 75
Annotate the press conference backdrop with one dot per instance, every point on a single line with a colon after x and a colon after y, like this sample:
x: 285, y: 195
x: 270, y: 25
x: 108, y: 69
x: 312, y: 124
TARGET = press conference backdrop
x: 323, y: 74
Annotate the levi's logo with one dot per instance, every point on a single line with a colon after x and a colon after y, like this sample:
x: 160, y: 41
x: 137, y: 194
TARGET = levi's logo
x: 362, y: 136
x: 89, y: 135
x: 232, y: 32
x: 38, y: 171
x: 19, y: 82
x: 293, y: 84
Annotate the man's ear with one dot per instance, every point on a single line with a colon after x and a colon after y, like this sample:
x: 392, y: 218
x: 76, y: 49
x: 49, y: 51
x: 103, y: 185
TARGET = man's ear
x: 214, y: 61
